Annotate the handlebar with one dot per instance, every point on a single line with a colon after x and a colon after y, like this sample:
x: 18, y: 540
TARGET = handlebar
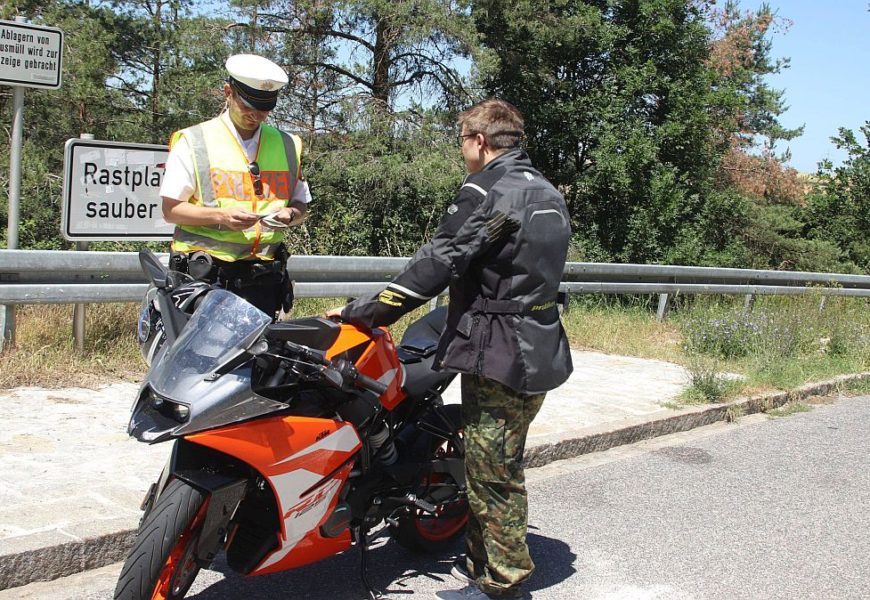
x: 345, y: 368
x: 370, y: 384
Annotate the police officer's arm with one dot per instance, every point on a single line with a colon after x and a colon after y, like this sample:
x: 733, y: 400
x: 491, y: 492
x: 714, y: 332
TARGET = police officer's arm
x: 297, y: 210
x: 294, y: 214
x: 185, y: 213
x: 177, y: 189
x: 467, y: 230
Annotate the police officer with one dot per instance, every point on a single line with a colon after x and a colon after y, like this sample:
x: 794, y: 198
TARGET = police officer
x: 232, y: 185
x: 501, y: 247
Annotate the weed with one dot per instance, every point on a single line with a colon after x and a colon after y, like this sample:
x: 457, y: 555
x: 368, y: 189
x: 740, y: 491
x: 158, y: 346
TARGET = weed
x: 707, y: 384
x: 734, y: 413
x: 858, y: 387
x: 789, y: 408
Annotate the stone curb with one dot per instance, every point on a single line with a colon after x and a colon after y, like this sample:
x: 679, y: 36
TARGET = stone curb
x: 60, y: 560
x: 52, y: 562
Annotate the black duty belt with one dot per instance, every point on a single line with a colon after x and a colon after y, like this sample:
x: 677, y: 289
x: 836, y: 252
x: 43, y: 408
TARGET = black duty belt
x: 206, y: 267
x: 248, y: 268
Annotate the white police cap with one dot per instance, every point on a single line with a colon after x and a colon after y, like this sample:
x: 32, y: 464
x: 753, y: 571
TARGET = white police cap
x: 256, y: 79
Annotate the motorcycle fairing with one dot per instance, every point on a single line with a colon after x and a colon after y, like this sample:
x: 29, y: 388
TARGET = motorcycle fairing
x: 306, y: 462
x: 221, y: 328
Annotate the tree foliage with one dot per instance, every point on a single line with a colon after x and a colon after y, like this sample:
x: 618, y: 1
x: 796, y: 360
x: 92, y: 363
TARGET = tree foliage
x: 655, y: 117
x: 617, y: 98
x: 838, y: 211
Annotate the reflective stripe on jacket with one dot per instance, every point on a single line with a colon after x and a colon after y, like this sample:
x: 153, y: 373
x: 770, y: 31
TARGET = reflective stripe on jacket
x: 224, y: 180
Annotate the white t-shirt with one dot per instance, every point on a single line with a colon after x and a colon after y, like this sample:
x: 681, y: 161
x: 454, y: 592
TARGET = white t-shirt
x: 179, y: 179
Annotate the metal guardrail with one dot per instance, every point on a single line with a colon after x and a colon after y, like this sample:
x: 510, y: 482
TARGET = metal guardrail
x: 46, y: 276
x: 59, y: 277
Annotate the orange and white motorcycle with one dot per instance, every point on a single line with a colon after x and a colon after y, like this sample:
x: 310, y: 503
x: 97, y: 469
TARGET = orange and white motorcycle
x: 291, y: 440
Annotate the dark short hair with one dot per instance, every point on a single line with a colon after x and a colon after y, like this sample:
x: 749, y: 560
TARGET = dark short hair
x: 499, y: 121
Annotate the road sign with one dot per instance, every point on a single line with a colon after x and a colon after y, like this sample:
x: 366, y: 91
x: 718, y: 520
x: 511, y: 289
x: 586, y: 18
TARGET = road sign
x: 30, y: 55
x: 111, y: 191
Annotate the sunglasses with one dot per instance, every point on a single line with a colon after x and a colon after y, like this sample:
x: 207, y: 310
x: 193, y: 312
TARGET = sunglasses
x: 254, y: 170
x: 460, y: 138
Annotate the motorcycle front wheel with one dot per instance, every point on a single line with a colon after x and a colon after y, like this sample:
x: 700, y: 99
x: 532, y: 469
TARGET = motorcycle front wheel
x: 424, y: 532
x: 162, y: 564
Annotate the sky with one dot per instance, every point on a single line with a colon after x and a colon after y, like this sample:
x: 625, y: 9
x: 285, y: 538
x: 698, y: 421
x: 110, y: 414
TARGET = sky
x: 827, y: 85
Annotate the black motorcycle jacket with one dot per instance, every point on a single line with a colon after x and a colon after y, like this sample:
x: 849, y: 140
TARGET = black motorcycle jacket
x: 501, y: 247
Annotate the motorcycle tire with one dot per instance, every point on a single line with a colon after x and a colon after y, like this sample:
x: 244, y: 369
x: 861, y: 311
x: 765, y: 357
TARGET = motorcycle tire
x: 423, y: 533
x: 162, y: 564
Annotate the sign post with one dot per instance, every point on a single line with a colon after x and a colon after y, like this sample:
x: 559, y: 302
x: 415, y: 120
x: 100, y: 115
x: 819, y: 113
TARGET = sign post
x: 14, y: 201
x: 80, y: 310
x: 30, y: 56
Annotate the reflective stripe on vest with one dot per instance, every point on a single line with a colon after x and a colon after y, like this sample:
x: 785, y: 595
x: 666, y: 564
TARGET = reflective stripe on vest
x: 223, y: 180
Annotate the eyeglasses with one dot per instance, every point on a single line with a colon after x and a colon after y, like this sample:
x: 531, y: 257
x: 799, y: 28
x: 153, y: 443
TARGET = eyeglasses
x: 461, y: 137
x: 254, y: 170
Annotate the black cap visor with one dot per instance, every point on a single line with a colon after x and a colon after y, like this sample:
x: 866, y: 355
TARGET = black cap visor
x: 254, y: 98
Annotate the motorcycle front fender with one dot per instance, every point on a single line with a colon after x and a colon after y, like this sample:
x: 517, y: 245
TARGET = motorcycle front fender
x: 210, y: 472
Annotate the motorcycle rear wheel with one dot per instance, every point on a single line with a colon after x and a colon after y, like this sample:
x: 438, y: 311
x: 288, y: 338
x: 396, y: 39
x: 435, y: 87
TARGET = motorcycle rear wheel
x: 162, y: 564
x: 422, y: 532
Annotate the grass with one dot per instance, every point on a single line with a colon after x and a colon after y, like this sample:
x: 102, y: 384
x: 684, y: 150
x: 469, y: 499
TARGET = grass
x: 627, y: 326
x: 45, y: 356
x: 783, y: 343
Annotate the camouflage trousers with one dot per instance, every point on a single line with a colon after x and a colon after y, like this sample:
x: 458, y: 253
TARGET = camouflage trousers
x: 496, y: 420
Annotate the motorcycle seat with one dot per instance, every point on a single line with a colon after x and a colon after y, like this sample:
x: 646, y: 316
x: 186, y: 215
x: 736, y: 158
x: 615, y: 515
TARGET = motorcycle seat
x: 416, y: 352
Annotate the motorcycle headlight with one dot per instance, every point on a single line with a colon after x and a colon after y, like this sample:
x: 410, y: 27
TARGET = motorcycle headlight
x: 181, y: 412
x: 173, y: 410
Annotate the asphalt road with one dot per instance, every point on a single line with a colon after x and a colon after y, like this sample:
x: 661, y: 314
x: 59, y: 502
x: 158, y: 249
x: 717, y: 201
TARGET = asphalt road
x: 766, y: 509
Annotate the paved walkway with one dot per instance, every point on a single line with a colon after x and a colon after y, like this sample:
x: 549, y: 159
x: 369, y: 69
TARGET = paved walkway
x: 71, y: 481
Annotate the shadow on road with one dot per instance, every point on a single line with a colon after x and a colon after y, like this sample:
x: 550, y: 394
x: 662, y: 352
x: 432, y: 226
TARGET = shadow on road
x: 554, y: 562
x: 392, y: 569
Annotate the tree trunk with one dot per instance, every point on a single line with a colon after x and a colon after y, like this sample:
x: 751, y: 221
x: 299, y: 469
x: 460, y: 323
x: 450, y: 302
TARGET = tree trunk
x: 385, y: 36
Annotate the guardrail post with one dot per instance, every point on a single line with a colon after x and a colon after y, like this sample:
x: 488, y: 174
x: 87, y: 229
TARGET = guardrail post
x: 7, y: 325
x: 823, y: 303
x: 748, y: 303
x: 664, y: 306
x: 79, y: 314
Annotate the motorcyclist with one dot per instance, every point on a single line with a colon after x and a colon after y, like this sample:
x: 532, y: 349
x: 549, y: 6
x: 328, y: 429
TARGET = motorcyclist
x: 501, y: 247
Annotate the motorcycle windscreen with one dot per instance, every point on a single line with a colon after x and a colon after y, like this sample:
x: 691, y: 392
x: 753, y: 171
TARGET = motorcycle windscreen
x: 221, y: 327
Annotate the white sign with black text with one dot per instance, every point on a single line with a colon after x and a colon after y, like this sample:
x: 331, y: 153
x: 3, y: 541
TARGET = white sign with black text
x: 30, y: 55
x: 111, y: 191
